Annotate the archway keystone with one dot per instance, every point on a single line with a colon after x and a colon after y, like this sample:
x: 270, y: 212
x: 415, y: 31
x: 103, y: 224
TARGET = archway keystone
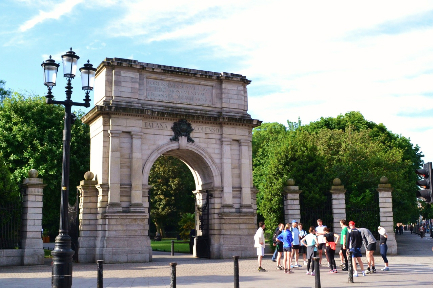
x: 143, y: 111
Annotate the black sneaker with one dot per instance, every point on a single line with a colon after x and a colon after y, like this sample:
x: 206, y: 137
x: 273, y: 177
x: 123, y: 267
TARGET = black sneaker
x: 261, y: 269
x: 344, y: 269
x: 374, y: 270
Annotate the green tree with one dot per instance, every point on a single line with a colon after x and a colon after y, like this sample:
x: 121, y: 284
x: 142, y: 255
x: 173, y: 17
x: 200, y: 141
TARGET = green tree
x: 4, y: 93
x: 31, y: 138
x: 171, y: 193
x: 349, y: 147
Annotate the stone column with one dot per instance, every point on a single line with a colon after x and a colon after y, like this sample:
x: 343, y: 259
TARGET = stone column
x: 338, y: 204
x: 136, y: 173
x: 245, y: 175
x: 386, y: 214
x: 227, y: 172
x: 31, y: 226
x: 291, y: 202
x: 88, y: 219
x: 114, y: 173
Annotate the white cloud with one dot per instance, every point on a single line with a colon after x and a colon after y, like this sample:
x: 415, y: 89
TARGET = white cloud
x: 56, y: 12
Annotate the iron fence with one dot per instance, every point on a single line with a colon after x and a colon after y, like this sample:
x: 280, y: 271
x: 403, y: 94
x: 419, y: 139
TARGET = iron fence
x: 311, y: 212
x: 10, y: 225
x: 365, y: 214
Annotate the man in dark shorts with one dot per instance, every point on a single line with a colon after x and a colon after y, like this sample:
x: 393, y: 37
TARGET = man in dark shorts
x: 354, y: 242
x: 321, y: 239
x: 370, y: 246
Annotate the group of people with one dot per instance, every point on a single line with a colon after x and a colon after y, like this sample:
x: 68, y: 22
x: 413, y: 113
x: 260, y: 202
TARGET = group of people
x: 291, y: 240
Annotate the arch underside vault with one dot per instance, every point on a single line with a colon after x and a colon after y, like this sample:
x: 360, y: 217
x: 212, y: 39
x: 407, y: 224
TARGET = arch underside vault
x: 204, y: 169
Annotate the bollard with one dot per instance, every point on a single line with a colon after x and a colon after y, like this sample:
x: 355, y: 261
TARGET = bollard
x: 173, y: 275
x: 317, y: 270
x: 100, y: 264
x: 350, y: 270
x: 172, y: 247
x: 236, y: 270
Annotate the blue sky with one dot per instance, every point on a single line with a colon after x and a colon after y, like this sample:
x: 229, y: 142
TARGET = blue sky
x: 309, y: 60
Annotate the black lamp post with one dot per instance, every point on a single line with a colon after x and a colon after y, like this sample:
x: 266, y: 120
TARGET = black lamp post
x: 62, y: 253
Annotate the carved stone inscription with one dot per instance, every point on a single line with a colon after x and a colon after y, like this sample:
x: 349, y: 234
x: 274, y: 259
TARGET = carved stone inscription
x: 177, y: 92
x: 166, y: 126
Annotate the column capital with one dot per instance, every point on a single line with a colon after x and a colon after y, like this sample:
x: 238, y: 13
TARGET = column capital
x: 244, y: 142
x: 136, y: 134
x: 226, y: 140
x: 114, y: 133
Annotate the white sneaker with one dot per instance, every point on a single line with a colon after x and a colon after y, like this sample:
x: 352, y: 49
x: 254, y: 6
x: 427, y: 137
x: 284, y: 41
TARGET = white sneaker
x: 308, y: 273
x: 363, y: 273
x: 355, y: 274
x: 305, y: 263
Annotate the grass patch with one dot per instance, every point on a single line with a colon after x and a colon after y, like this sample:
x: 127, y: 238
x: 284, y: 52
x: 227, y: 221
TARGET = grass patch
x: 47, y: 253
x: 180, y: 246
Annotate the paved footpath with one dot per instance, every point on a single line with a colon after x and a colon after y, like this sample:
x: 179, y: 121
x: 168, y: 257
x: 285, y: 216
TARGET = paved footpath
x: 412, y: 267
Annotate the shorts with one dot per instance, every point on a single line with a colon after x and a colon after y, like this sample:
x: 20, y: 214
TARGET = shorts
x: 371, y: 247
x: 295, y: 247
x: 260, y: 251
x: 287, y: 249
x: 321, y: 245
x: 280, y: 247
x: 302, y: 249
x: 356, y: 252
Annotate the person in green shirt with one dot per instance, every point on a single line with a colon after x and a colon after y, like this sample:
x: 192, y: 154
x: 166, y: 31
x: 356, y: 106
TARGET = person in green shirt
x: 342, y: 253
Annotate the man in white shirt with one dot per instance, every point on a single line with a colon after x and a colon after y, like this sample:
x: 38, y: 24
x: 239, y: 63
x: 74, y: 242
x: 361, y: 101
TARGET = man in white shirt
x: 259, y: 243
x: 321, y: 239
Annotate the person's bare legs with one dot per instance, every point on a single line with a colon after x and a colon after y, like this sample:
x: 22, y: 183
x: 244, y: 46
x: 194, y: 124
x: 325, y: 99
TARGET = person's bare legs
x: 360, y: 263
x: 259, y: 259
x: 286, y: 255
x: 320, y: 256
x: 279, y: 259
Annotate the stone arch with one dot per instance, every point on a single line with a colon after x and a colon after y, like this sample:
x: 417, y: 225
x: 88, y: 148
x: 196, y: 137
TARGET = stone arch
x: 202, y: 165
x: 138, y: 108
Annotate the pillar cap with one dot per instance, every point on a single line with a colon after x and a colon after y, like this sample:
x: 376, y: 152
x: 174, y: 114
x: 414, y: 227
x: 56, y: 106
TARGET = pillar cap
x: 33, y: 173
x: 88, y: 175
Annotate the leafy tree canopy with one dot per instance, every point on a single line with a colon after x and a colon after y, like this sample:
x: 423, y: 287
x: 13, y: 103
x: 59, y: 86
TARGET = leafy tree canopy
x: 348, y: 147
x: 31, y: 138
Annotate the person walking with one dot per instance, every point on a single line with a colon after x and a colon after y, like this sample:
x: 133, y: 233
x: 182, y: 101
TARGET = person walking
x: 354, y: 242
x: 330, y: 248
x: 343, y: 250
x: 383, y: 246
x: 259, y: 243
x: 310, y: 241
x: 286, y: 238
x: 370, y: 246
x: 411, y: 228
x: 302, y: 248
x: 321, y: 240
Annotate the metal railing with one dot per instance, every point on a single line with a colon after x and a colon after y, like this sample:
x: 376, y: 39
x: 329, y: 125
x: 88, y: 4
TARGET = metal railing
x: 10, y: 226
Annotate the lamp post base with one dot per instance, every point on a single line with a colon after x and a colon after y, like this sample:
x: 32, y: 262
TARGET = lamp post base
x: 62, y: 262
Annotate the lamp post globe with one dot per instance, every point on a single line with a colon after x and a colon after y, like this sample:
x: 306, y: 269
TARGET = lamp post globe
x: 62, y: 253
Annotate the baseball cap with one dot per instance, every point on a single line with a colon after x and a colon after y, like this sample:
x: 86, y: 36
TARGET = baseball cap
x: 352, y: 223
x: 294, y: 221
